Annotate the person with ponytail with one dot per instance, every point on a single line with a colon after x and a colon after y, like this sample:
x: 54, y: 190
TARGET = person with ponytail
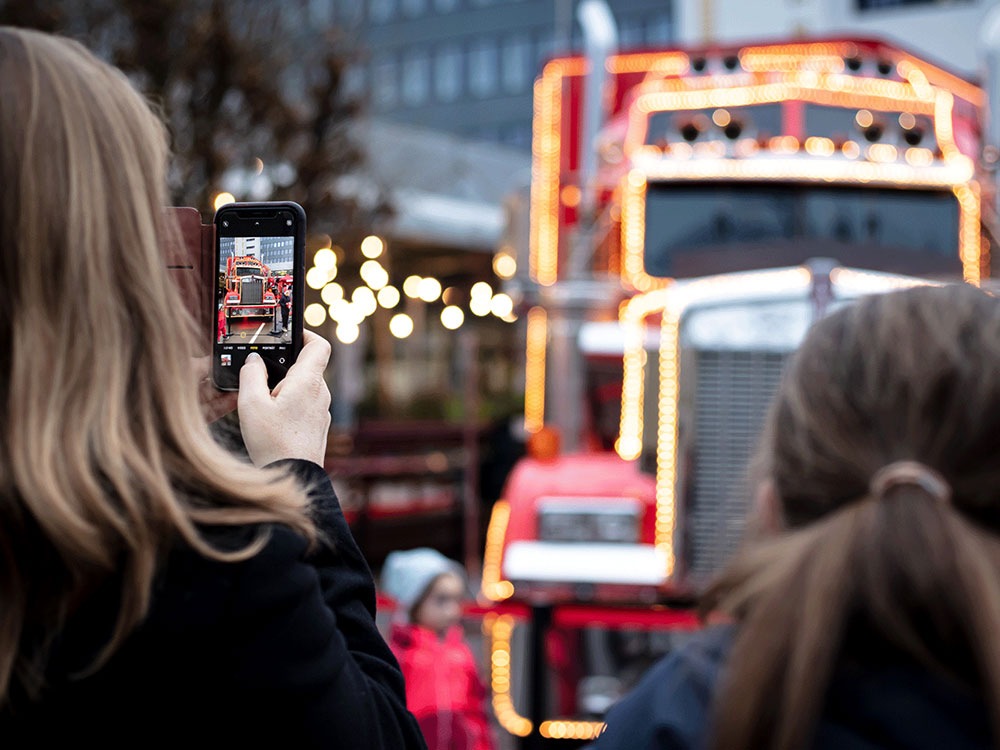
x: 864, y: 611
x: 156, y: 590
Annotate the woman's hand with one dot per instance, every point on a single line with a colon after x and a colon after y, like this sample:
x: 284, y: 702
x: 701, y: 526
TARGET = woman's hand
x: 293, y: 420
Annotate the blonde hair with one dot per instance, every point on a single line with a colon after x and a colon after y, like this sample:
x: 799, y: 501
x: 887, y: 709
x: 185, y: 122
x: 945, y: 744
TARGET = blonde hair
x: 896, y: 567
x: 105, y: 459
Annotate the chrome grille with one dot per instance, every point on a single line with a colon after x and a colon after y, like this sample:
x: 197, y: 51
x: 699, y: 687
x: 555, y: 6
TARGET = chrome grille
x: 732, y: 394
x: 252, y: 292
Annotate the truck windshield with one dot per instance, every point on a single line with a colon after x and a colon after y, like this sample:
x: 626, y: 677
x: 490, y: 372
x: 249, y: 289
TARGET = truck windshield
x: 246, y: 270
x: 700, y: 229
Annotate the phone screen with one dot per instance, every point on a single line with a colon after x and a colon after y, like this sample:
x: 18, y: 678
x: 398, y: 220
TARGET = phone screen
x: 260, y: 258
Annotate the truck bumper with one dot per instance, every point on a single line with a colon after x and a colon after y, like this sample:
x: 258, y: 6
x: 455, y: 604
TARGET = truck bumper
x: 583, y: 562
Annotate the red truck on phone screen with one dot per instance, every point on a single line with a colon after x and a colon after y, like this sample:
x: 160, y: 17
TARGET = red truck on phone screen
x: 250, y: 291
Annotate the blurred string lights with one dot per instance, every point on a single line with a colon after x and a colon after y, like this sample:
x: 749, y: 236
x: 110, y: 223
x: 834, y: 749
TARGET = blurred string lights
x: 350, y: 309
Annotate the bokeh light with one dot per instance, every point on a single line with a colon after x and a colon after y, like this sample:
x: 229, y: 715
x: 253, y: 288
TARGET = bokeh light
x: 372, y: 246
x: 452, y: 317
x: 364, y: 299
x: 481, y: 289
x: 388, y: 297
x: 429, y: 289
x: 501, y: 305
x: 314, y: 315
x: 504, y: 265
x: 345, y: 311
x: 331, y: 293
x: 411, y: 286
x: 401, y: 325
x: 223, y: 199
x: 480, y: 305
x: 347, y: 332
x: 325, y: 258
x: 316, y: 278
x: 373, y: 274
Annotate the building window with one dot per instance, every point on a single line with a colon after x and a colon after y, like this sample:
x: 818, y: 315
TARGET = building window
x: 320, y: 12
x: 516, y: 70
x: 349, y: 14
x: 486, y: 133
x: 516, y: 134
x: 483, y: 68
x: 354, y: 82
x: 414, y: 8
x: 630, y: 33
x: 881, y: 4
x: 385, y: 84
x: 659, y: 30
x: 448, y: 73
x: 546, y: 49
x: 380, y: 11
x: 416, y: 77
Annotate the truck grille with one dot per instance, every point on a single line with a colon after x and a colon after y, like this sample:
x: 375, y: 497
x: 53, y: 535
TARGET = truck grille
x: 252, y: 292
x: 734, y: 389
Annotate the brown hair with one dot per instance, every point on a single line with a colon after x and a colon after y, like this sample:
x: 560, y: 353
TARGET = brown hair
x: 907, y: 376
x: 104, y: 456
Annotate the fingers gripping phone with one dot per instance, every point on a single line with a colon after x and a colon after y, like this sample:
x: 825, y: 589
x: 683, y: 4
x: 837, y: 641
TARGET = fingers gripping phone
x: 260, y: 264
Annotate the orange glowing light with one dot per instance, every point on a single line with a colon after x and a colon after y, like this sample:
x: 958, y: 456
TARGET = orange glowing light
x: 500, y: 629
x: 570, y: 195
x: 534, y: 369
x: 543, y: 444
x: 494, y: 587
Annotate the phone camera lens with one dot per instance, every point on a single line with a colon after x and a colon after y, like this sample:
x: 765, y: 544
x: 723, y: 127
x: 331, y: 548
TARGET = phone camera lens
x: 225, y: 223
x: 256, y: 223
x: 288, y: 222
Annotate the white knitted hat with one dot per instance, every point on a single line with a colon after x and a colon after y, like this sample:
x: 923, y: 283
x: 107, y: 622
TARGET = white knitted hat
x: 407, y: 574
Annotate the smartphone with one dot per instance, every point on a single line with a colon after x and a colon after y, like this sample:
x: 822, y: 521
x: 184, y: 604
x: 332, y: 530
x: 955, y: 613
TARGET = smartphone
x: 260, y: 265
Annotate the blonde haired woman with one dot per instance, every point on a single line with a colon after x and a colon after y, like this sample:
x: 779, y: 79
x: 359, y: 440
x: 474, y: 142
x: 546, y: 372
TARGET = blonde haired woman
x: 154, y: 589
x: 869, y: 615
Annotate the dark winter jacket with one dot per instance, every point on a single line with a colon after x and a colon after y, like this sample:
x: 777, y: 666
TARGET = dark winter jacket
x: 280, y: 650
x: 892, y: 705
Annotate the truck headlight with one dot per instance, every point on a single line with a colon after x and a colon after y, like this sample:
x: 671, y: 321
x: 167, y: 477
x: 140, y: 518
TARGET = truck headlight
x: 610, y: 520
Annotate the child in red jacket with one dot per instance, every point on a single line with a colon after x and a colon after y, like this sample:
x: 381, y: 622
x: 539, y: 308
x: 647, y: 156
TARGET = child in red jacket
x: 443, y: 687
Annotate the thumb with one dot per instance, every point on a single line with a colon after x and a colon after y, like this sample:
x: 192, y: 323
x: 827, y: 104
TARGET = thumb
x: 253, y: 379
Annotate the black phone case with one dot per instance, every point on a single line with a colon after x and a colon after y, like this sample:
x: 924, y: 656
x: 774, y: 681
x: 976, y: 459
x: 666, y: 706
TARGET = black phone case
x: 227, y: 378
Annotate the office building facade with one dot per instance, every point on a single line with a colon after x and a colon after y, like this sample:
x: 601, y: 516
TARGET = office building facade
x: 466, y: 67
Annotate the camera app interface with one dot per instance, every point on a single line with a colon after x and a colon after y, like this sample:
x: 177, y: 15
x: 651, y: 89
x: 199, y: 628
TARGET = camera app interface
x: 254, y: 299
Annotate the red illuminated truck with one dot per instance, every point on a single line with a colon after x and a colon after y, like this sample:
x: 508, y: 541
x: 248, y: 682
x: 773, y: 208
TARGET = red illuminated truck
x: 250, y: 291
x: 734, y: 194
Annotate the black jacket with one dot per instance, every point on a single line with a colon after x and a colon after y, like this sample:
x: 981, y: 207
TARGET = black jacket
x: 892, y: 705
x: 280, y: 650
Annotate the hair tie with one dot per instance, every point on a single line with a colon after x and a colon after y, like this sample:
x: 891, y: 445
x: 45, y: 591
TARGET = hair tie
x: 911, y: 473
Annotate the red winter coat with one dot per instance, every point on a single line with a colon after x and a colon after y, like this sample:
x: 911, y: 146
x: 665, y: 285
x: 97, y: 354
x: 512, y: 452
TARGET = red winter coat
x: 443, y: 688
x: 221, y: 324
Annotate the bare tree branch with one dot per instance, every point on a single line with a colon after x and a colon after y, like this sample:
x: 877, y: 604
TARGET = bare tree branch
x: 237, y: 82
